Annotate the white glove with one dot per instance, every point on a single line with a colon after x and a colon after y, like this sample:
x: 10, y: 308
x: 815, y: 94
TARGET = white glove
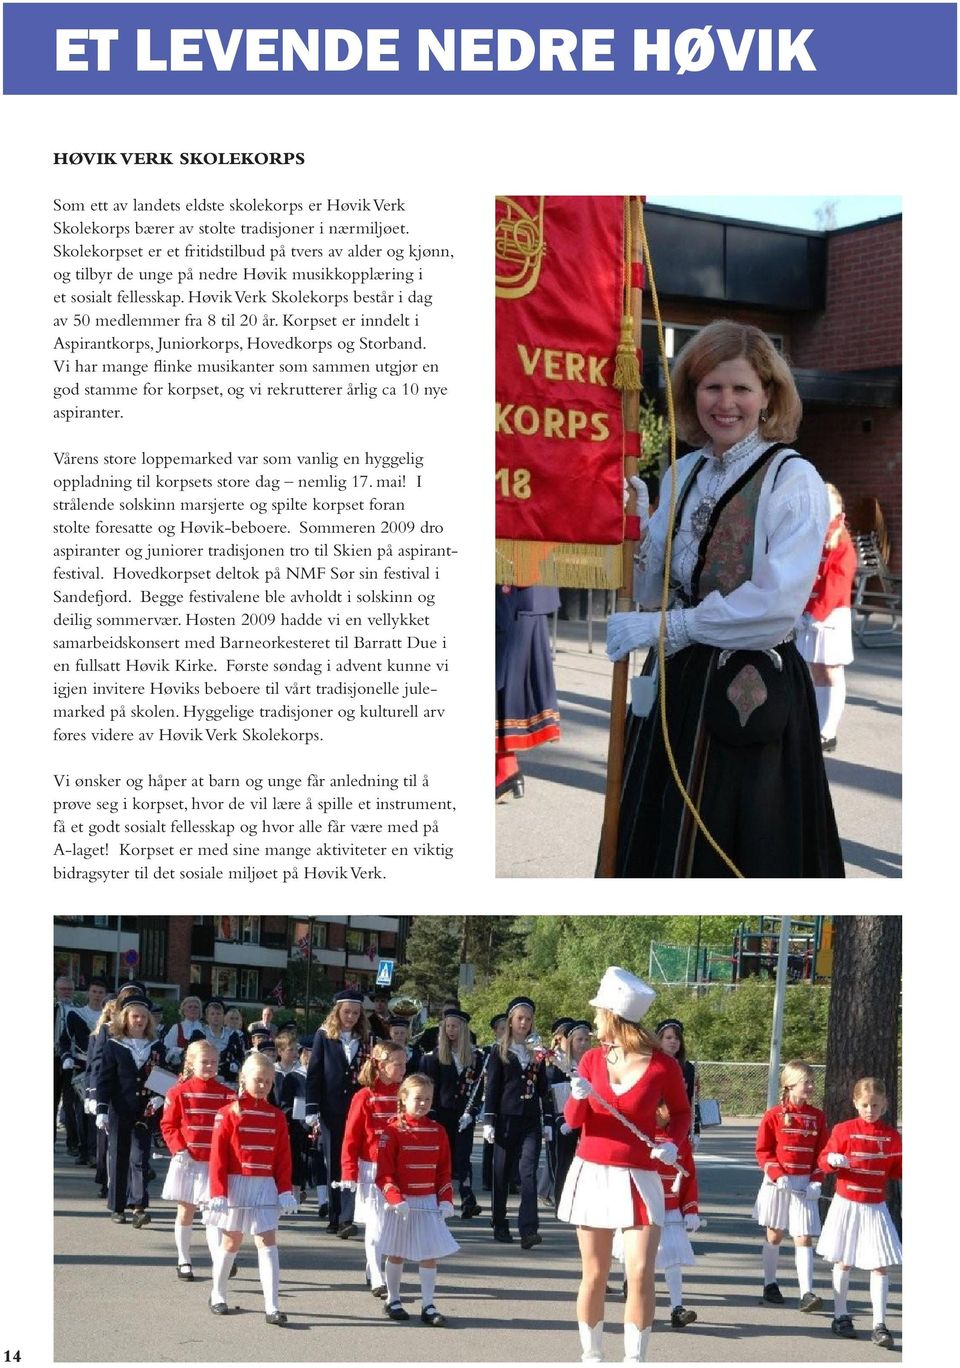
x: 565, y: 1129
x: 643, y: 496
x: 627, y: 632
x: 580, y: 1088
x: 446, y: 1210
x: 288, y: 1203
x: 217, y: 1204
x: 838, y: 1161
x: 813, y: 1191
x: 402, y: 1208
x: 90, y: 1106
x: 311, y: 1120
x: 66, y: 1064
x: 181, y: 1159
x: 548, y: 1134
x: 691, y: 1222
x: 102, y: 1122
x: 465, y: 1122
x: 489, y: 1134
x: 665, y: 1153
x: 347, y: 1185
x: 153, y: 1106
x: 782, y: 1184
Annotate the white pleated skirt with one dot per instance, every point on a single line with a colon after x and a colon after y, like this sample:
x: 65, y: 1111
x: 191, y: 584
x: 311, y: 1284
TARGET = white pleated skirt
x: 674, y: 1249
x: 188, y: 1182
x: 252, y: 1206
x: 368, y: 1210
x: 601, y: 1195
x: 829, y: 642
x: 789, y: 1210
x: 422, y: 1234
x: 861, y: 1234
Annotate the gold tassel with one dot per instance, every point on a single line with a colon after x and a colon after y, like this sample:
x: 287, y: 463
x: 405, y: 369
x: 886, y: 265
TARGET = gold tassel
x: 626, y: 374
x: 567, y: 565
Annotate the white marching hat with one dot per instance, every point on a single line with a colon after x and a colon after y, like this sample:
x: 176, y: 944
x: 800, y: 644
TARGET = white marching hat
x: 624, y: 994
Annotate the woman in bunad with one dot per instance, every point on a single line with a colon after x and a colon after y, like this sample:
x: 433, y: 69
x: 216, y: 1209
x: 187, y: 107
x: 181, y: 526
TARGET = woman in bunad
x: 228, y: 1043
x: 341, y: 1047
x: 456, y: 1070
x: 571, y: 1039
x: 613, y: 1181
x: 187, y: 1126
x: 749, y: 515
x: 371, y: 1111
x: 518, y: 1115
x: 250, y: 1184
x: 188, y: 1028
x: 125, y: 1103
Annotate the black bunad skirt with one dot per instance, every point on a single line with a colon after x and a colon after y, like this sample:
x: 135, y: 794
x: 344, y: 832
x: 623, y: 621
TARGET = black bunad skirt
x: 767, y: 803
x: 527, y: 709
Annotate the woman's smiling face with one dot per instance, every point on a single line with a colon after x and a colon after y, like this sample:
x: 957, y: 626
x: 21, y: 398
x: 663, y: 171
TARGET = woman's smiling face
x: 729, y: 400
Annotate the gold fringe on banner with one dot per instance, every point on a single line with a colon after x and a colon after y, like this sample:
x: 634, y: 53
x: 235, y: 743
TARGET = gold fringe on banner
x: 565, y: 564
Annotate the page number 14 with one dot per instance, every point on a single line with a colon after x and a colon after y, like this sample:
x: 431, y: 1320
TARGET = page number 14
x: 11, y: 1355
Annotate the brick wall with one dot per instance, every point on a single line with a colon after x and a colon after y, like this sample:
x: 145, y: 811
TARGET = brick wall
x: 861, y: 326
x: 861, y: 464
x: 178, y: 952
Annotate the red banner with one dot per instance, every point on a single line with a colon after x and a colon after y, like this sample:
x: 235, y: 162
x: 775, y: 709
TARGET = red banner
x: 559, y: 429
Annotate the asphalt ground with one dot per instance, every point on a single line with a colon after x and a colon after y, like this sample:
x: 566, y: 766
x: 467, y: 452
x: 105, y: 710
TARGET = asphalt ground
x: 117, y: 1298
x: 553, y: 831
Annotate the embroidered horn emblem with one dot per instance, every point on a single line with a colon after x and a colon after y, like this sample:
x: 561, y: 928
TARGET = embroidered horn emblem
x: 519, y: 248
x: 747, y: 692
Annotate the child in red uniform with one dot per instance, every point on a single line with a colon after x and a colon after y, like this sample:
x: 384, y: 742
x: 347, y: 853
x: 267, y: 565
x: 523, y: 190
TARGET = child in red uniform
x: 866, y: 1154
x: 413, y: 1173
x: 187, y: 1125
x: 824, y: 637
x: 250, y: 1183
x: 790, y: 1137
x: 371, y: 1111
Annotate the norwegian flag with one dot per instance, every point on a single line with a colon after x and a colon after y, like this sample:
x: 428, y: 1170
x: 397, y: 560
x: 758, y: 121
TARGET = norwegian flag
x: 303, y: 944
x: 277, y: 995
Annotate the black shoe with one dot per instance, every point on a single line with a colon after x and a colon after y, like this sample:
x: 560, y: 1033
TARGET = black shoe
x: 681, y: 1316
x: 431, y: 1316
x: 502, y: 1235
x: 380, y: 1292
x: 347, y: 1230
x: 323, y: 1211
x: 140, y: 1219
x: 276, y: 1318
x: 185, y: 1272
x: 882, y: 1337
x: 234, y: 1268
x: 843, y: 1326
x: 81, y: 1161
x: 333, y: 1227
x: 73, y: 1149
x: 119, y: 1218
x: 219, y: 1308
x: 828, y: 744
x: 470, y: 1208
x: 528, y: 1241
x: 810, y: 1302
x: 395, y: 1311
x: 151, y: 1175
x: 103, y: 1189
x: 772, y: 1295
x: 512, y: 785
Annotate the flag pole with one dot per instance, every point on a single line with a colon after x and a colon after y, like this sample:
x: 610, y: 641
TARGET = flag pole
x: 630, y: 406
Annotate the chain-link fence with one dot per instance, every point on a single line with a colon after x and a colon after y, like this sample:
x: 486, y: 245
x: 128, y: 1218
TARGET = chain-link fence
x: 685, y: 964
x: 741, y: 1088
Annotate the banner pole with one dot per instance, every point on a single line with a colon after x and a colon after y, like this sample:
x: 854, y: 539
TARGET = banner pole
x: 630, y: 402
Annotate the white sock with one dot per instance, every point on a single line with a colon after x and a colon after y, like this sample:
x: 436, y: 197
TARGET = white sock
x: 393, y: 1273
x: 674, y: 1280
x: 182, y: 1235
x: 803, y: 1254
x: 635, y: 1343
x: 771, y: 1255
x: 822, y: 692
x: 841, y: 1286
x: 879, y: 1287
x: 428, y: 1281
x: 213, y: 1239
x: 836, y: 698
x: 373, y: 1259
x: 591, y: 1342
x: 268, y: 1258
x: 222, y: 1264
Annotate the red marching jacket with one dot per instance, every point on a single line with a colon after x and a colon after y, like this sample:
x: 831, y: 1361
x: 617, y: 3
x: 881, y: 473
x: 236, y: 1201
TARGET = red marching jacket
x: 834, y: 583
x: 603, y: 1138
x: 687, y: 1200
x: 414, y: 1161
x: 255, y: 1144
x: 875, y: 1152
x: 371, y: 1111
x: 186, y: 1121
x: 789, y: 1142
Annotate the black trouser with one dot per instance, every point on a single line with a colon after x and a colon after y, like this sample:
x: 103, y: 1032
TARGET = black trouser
x: 61, y: 1088
x: 128, y: 1159
x: 461, y: 1151
x: 518, y: 1139
x: 74, y: 1116
x: 341, y: 1203
x: 564, y: 1148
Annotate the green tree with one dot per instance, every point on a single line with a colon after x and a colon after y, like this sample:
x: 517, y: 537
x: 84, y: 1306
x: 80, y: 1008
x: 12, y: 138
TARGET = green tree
x: 489, y: 943
x: 432, y: 967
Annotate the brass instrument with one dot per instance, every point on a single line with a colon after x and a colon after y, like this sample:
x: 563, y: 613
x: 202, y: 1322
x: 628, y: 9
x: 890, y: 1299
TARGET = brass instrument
x: 405, y: 1005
